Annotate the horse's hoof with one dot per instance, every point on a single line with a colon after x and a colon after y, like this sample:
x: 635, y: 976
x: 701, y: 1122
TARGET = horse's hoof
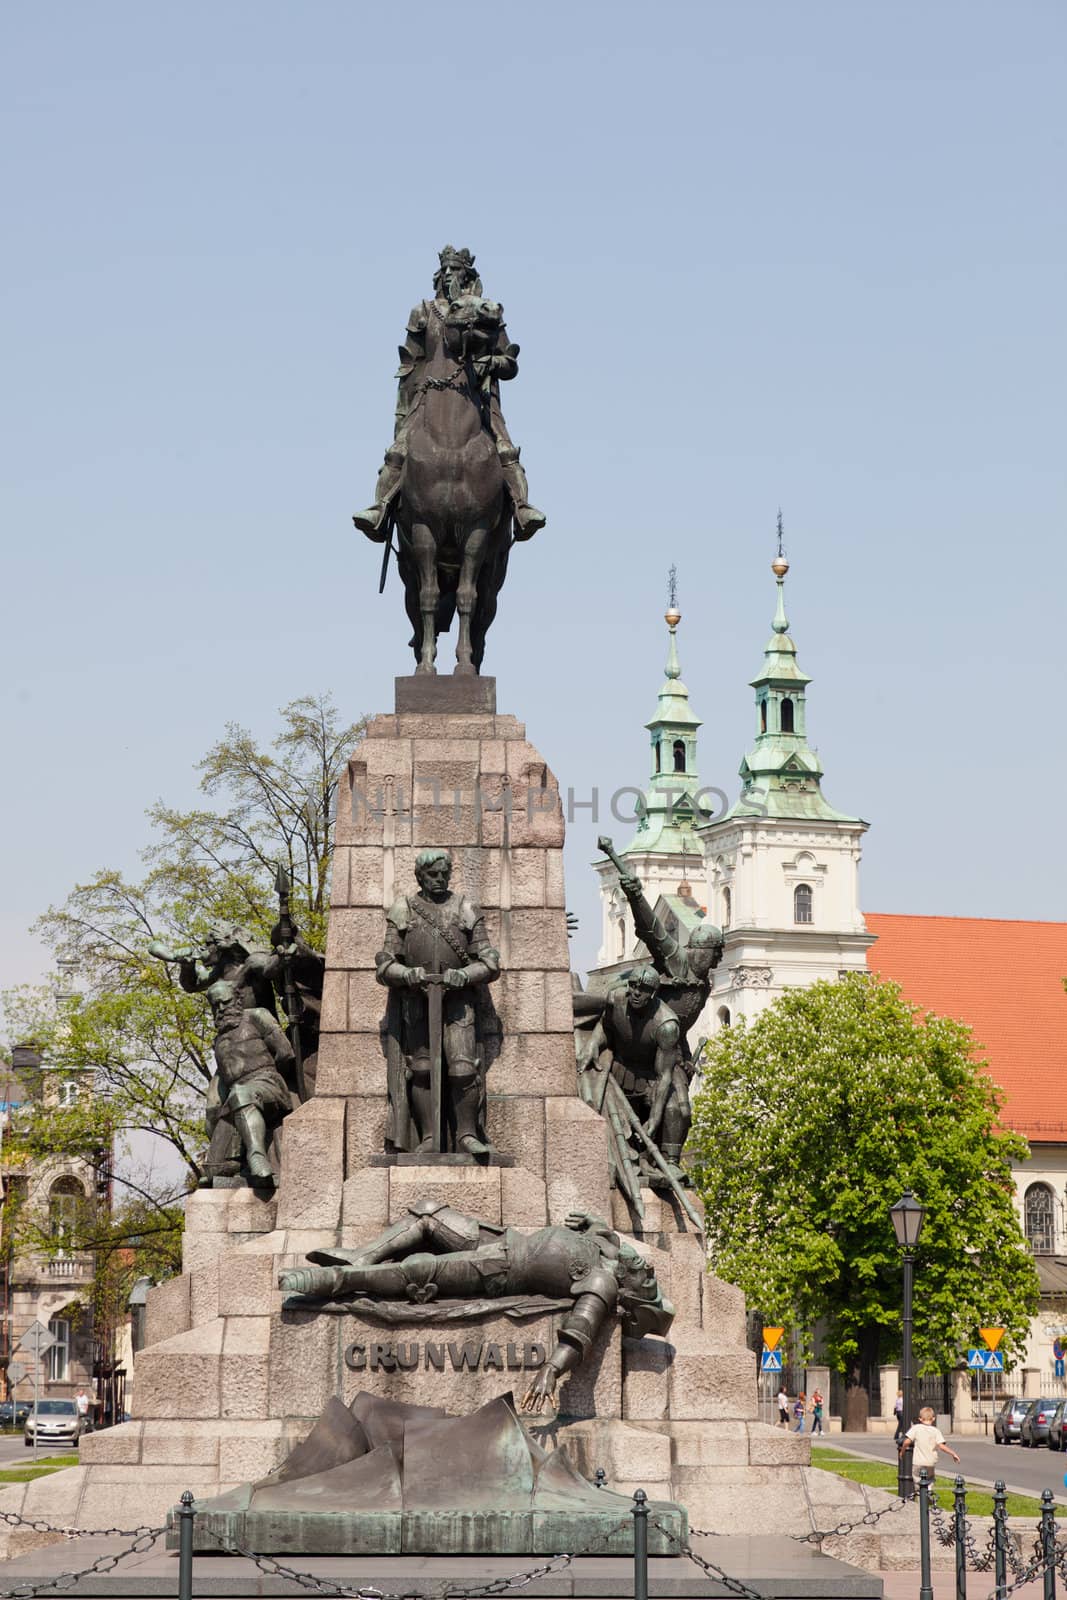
x: 469, y: 671
x: 423, y: 668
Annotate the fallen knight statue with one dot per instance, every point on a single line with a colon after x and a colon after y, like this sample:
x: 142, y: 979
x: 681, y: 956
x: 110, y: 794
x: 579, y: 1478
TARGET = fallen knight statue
x: 583, y: 1268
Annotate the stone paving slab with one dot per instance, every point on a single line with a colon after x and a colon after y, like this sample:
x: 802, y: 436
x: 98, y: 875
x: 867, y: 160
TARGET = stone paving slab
x: 778, y: 1568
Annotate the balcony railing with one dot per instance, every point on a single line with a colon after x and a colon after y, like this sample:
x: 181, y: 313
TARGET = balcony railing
x: 64, y: 1266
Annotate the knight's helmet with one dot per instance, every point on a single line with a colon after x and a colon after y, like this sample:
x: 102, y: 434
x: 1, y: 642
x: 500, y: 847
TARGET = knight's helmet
x: 642, y: 1304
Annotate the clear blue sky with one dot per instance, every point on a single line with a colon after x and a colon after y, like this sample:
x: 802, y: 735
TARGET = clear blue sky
x: 808, y: 254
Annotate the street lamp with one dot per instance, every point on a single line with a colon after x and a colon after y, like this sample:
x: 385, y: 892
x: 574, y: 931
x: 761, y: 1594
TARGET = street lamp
x: 907, y: 1218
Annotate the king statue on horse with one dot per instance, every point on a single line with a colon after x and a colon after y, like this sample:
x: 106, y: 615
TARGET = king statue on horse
x: 452, y: 484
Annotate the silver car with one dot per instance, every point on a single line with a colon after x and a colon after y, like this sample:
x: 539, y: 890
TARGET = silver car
x: 55, y: 1422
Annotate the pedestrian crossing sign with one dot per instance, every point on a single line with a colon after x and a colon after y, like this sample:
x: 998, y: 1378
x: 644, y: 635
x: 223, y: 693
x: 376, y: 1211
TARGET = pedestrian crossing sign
x: 985, y: 1360
x: 771, y: 1361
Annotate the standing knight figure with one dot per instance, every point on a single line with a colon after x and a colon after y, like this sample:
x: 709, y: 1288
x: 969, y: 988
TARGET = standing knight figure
x: 436, y: 961
x: 473, y: 331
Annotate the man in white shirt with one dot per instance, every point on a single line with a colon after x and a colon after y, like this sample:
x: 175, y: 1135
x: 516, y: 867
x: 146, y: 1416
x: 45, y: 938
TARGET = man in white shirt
x: 926, y: 1440
x: 783, y: 1408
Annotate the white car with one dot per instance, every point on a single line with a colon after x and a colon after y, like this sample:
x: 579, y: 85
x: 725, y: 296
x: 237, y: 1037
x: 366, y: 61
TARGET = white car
x: 55, y: 1422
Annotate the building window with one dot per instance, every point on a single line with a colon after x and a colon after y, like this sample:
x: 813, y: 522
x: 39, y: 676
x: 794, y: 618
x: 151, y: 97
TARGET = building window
x: 802, y: 903
x: 727, y: 905
x: 787, y: 716
x: 1038, y: 1219
x: 763, y: 716
x: 724, y: 1016
x: 679, y: 755
x: 68, y: 1094
x: 59, y: 1353
x: 656, y: 755
x: 65, y: 1201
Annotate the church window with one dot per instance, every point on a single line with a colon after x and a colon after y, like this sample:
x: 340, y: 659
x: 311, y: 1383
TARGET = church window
x: 803, y: 903
x: 787, y: 715
x: 763, y: 716
x: 724, y: 1016
x: 1039, y: 1219
x: 727, y: 903
x: 679, y: 755
x: 656, y: 755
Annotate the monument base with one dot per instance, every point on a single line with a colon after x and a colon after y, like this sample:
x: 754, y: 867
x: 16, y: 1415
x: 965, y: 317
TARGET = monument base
x: 380, y: 1477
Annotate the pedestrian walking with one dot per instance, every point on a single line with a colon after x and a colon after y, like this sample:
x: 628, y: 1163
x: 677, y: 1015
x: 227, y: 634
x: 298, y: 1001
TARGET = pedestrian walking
x: 799, y: 1405
x: 783, y: 1408
x: 816, y: 1411
x: 898, y: 1413
x: 926, y: 1440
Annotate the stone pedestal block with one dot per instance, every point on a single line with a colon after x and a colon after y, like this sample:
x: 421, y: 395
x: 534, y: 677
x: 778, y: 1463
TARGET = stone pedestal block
x: 313, y: 1172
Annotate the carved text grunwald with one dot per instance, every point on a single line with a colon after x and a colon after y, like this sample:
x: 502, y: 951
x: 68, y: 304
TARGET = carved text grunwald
x: 406, y: 1355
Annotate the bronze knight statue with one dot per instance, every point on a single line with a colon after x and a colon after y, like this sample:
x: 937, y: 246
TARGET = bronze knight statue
x: 589, y: 1272
x: 452, y: 485
x: 436, y: 962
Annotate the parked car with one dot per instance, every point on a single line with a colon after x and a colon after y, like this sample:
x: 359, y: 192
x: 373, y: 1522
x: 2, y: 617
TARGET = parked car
x: 56, y: 1422
x: 1033, y: 1429
x: 1057, y: 1433
x: 1007, y: 1420
x: 13, y: 1413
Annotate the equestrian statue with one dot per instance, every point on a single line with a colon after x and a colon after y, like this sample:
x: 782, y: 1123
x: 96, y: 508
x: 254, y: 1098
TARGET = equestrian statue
x: 452, y: 486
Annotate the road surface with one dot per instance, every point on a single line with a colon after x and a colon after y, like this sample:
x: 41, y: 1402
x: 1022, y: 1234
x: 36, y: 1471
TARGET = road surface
x: 982, y: 1461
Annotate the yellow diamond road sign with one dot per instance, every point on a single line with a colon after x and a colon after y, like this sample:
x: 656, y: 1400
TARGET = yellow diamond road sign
x: 992, y: 1336
x: 771, y: 1337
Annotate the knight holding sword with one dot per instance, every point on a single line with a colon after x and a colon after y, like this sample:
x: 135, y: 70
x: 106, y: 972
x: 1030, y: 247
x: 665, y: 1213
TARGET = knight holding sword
x: 436, y: 962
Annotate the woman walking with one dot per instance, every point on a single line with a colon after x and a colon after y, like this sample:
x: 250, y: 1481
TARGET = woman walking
x: 816, y: 1411
x: 799, y: 1406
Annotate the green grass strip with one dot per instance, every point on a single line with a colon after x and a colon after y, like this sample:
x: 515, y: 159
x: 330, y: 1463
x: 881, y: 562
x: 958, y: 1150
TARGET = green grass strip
x: 27, y: 1473
x: 883, y: 1475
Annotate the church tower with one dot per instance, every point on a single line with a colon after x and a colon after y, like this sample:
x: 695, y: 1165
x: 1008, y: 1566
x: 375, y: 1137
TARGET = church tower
x: 666, y: 852
x: 782, y: 864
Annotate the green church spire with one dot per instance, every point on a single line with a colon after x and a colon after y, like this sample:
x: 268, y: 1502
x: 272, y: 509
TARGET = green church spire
x: 670, y: 809
x: 781, y: 776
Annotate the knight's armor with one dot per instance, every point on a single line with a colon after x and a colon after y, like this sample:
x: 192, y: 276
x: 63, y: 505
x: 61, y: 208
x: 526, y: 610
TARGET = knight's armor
x: 438, y: 936
x: 474, y: 334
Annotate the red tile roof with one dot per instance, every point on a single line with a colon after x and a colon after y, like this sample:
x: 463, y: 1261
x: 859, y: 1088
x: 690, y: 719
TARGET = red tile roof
x: 1006, y: 980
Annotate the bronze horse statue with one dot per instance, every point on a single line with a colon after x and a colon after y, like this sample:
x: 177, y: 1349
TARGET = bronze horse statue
x: 452, y: 515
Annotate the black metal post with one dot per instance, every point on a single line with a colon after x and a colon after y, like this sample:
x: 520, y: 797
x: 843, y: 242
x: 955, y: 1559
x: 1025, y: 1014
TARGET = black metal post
x: 640, y: 1545
x: 926, y: 1588
x: 905, y: 1485
x: 1000, y: 1537
x: 959, y: 1504
x: 1048, y: 1543
x: 186, y: 1518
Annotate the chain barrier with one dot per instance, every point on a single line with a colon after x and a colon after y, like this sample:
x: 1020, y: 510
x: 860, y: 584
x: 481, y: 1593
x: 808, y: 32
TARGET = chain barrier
x: 66, y: 1580
x: 709, y: 1568
x: 38, y: 1525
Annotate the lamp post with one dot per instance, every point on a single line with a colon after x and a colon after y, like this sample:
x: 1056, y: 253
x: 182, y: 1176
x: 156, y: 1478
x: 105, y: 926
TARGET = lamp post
x: 907, y: 1218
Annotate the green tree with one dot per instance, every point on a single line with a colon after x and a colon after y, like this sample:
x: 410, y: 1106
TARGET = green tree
x: 810, y: 1122
x: 147, y: 1042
